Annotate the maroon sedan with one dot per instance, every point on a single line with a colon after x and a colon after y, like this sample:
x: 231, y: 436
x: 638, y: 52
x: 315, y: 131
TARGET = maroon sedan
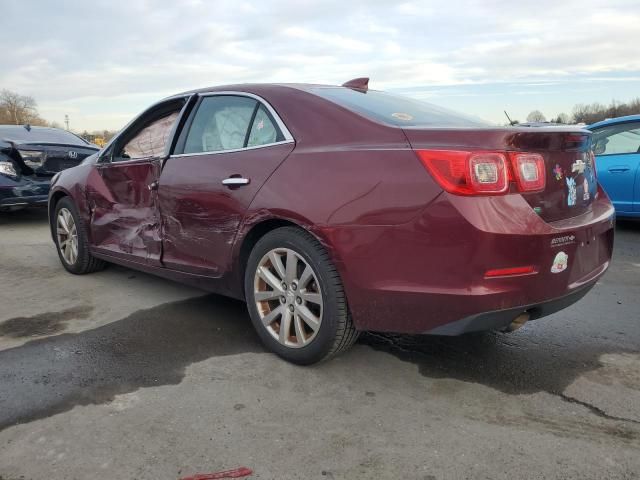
x: 335, y: 210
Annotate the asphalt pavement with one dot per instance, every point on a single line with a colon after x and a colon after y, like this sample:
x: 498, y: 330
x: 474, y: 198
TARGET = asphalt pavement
x: 122, y: 375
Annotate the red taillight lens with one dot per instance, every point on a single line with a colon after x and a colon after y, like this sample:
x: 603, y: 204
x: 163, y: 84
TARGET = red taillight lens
x: 484, y: 173
x: 467, y: 173
x: 529, y: 171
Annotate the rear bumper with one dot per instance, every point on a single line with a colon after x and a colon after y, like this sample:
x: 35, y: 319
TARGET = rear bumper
x: 501, y: 319
x: 428, y: 276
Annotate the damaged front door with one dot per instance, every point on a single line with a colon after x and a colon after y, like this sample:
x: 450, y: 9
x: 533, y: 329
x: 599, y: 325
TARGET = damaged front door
x: 122, y: 192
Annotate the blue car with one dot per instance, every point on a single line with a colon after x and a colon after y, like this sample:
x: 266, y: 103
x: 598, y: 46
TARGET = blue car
x: 616, y: 144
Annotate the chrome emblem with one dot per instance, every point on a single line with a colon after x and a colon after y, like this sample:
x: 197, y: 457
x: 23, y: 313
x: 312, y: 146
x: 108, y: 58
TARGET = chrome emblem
x: 578, y: 166
x: 73, y: 154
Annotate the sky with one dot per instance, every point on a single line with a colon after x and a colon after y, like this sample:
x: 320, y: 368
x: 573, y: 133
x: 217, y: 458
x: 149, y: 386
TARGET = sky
x: 103, y: 62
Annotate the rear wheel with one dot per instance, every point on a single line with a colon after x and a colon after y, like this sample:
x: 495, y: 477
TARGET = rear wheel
x: 72, y: 241
x: 296, y: 299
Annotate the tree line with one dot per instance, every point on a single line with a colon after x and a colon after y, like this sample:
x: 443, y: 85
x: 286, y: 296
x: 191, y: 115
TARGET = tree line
x: 589, y: 113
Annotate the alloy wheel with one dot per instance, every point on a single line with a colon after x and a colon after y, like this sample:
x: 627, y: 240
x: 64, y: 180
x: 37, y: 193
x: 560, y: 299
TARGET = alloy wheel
x: 288, y: 297
x: 67, y: 234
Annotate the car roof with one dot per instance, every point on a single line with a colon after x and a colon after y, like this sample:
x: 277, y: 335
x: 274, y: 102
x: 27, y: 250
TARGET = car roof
x: 253, y: 88
x: 31, y: 134
x: 613, y: 121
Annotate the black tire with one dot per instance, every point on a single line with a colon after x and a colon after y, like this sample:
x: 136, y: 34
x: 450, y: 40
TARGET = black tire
x: 85, y: 262
x: 336, y: 332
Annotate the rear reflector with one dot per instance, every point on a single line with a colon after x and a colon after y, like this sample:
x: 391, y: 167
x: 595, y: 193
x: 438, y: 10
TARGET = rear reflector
x: 484, y: 172
x: 510, y: 272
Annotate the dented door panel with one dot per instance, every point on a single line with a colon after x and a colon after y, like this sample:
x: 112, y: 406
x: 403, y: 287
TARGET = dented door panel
x: 124, y: 213
x: 200, y: 215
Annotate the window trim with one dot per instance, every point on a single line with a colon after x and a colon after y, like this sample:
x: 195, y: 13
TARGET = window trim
x: 288, y: 138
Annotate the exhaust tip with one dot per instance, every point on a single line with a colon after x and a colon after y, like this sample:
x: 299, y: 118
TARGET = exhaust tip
x: 519, y: 321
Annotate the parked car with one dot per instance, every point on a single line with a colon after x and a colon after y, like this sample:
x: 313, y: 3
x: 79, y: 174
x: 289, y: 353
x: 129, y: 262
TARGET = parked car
x: 616, y: 143
x: 29, y: 157
x: 335, y: 210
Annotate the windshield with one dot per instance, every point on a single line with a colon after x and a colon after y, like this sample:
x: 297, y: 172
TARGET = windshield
x: 40, y: 135
x: 395, y: 109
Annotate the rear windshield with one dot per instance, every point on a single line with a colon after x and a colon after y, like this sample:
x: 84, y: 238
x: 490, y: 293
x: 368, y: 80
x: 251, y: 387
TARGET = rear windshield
x: 40, y: 135
x: 395, y: 109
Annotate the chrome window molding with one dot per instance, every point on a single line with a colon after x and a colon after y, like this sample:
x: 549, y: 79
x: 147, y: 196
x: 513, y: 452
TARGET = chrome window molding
x: 235, y: 150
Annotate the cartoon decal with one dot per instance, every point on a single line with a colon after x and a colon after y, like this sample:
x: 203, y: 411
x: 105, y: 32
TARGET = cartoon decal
x: 260, y: 125
x: 578, y: 166
x: 558, y: 172
x: 572, y: 195
x: 585, y: 188
x: 560, y: 263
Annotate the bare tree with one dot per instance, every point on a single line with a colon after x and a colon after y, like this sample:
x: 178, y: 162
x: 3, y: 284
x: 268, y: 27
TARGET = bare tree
x: 563, y: 118
x: 596, y: 111
x: 536, y: 116
x: 18, y: 109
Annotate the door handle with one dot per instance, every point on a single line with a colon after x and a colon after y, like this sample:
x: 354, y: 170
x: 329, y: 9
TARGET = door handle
x: 235, y: 181
x: 153, y: 186
x: 619, y: 169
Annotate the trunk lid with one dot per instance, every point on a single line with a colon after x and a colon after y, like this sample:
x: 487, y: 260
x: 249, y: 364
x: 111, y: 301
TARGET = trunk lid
x: 571, y: 185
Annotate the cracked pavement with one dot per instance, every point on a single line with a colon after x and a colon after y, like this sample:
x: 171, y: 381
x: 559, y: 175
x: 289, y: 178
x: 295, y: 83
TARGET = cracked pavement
x: 124, y: 375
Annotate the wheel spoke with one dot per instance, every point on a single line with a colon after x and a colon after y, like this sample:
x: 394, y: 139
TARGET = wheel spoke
x: 269, y: 278
x: 74, y: 251
x: 309, y: 318
x: 292, y: 263
x: 262, y: 296
x: 299, y: 330
x: 307, y: 274
x: 276, y: 261
x: 272, y: 316
x: 62, y: 223
x: 285, y: 326
x: 311, y: 297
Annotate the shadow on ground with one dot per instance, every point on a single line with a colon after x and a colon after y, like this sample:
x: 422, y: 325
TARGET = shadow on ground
x: 28, y: 216
x: 148, y: 348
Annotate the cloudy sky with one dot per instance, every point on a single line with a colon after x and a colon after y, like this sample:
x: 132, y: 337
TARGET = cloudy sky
x: 102, y: 62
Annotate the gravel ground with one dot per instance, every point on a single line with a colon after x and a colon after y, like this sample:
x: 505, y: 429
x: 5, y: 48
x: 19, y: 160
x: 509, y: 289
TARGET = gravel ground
x: 121, y: 375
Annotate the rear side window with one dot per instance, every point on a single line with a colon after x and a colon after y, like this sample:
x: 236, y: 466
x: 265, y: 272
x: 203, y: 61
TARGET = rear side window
x: 221, y: 123
x: 395, y: 109
x: 263, y: 130
x: 617, y: 139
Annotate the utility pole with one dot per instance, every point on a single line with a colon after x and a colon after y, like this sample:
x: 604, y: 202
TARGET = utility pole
x: 66, y: 121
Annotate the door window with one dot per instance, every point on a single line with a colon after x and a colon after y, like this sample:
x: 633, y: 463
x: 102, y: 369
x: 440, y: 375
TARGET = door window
x: 221, y: 123
x: 263, y: 129
x: 150, y: 141
x: 617, y: 139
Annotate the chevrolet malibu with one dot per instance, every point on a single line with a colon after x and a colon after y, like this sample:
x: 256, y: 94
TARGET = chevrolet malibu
x: 335, y: 210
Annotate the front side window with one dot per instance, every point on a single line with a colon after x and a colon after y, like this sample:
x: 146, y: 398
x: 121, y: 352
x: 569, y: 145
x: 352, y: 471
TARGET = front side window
x: 151, y: 140
x: 617, y: 139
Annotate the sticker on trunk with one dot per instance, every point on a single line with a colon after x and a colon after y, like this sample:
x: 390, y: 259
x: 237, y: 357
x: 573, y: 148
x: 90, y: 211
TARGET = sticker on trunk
x: 572, y: 193
x: 560, y: 262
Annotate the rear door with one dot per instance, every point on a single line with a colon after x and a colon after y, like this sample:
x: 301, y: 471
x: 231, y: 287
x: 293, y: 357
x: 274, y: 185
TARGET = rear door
x: 229, y: 146
x: 617, y: 149
x: 122, y: 188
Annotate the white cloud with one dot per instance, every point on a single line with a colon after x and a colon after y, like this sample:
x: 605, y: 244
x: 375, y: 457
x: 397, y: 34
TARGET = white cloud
x: 92, y: 55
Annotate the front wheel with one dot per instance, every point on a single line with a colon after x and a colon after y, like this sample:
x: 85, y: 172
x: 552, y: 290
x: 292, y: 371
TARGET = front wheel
x: 72, y: 240
x: 296, y: 299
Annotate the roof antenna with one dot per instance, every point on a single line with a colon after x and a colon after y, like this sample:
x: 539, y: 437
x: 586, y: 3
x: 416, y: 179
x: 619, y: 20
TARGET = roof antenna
x: 27, y: 127
x: 508, y: 118
x: 360, y: 84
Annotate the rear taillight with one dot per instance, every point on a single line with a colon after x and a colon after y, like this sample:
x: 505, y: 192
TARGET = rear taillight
x: 483, y: 172
x: 529, y: 171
